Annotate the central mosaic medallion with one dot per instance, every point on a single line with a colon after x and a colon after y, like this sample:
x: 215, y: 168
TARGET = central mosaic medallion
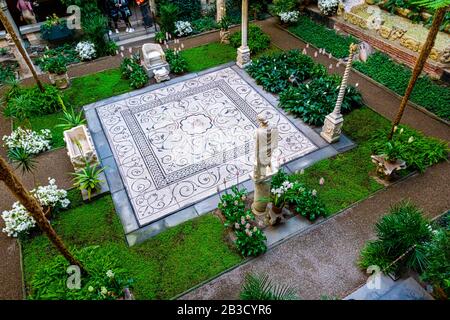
x: 175, y: 145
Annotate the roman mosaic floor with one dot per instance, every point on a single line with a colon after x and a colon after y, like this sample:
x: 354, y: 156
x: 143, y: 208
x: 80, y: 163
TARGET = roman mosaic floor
x: 179, y: 144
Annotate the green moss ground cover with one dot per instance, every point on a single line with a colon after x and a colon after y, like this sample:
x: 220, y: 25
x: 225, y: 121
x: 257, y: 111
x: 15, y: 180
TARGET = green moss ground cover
x: 322, y: 37
x: 162, y: 267
x: 427, y: 93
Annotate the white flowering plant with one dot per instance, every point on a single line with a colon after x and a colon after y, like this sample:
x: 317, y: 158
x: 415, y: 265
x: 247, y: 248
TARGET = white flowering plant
x: 86, y: 50
x: 289, y: 17
x: 279, y: 195
x: 304, y: 201
x: 18, y: 220
x: 30, y: 141
x: 328, y: 7
x: 183, y: 28
x: 232, y: 205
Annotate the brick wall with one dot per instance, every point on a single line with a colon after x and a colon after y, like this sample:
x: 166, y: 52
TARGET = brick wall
x: 402, y: 55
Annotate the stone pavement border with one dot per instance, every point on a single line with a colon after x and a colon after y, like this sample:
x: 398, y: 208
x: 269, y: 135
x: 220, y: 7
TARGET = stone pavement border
x: 135, y: 233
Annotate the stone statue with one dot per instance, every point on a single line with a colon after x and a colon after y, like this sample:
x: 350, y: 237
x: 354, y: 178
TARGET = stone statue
x: 266, y: 141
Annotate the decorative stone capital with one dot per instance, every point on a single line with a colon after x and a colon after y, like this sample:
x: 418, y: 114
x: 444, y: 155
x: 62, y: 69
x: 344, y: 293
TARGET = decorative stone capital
x: 332, y: 127
x: 243, y: 57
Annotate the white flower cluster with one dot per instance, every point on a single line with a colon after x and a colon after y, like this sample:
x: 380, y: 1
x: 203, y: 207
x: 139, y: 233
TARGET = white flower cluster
x: 31, y: 141
x: 183, y: 28
x: 282, y: 189
x: 328, y: 7
x: 289, y: 17
x: 86, y: 50
x: 18, y: 220
x: 50, y: 195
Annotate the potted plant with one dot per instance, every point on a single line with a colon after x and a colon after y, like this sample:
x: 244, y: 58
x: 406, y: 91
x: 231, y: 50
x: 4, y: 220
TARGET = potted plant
x: 224, y: 24
x: 57, y: 71
x: 389, y: 162
x: 88, y: 181
x: 55, y: 29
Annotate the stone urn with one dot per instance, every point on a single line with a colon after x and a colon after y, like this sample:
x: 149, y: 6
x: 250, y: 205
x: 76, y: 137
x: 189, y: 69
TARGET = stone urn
x: 275, y: 215
x: 61, y: 81
x: 225, y: 36
x: 387, y: 169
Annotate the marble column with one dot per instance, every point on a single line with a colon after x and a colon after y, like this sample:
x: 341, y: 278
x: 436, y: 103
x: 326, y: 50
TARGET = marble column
x: 221, y: 10
x: 243, y: 52
x: 332, y: 126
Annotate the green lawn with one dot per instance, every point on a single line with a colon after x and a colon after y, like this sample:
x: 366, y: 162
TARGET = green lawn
x: 208, y: 56
x: 95, y: 87
x: 162, y: 267
x: 347, y: 176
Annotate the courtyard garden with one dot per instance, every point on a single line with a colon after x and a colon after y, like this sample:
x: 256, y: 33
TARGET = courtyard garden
x: 131, y: 217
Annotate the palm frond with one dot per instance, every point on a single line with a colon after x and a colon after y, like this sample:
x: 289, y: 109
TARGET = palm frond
x: 260, y: 287
x: 432, y: 4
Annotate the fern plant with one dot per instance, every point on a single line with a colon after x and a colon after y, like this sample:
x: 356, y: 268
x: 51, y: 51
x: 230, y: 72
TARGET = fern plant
x: 260, y: 287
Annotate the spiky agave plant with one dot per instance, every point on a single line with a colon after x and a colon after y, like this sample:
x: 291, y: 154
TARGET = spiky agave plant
x: 88, y: 178
x: 260, y: 287
x: 23, y: 161
x: 71, y: 119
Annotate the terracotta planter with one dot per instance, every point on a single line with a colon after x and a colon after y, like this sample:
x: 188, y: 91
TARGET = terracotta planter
x: 277, y: 210
x: 61, y: 81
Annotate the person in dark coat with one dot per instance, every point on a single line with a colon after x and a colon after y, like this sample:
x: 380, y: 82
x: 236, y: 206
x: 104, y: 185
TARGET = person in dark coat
x: 119, y: 9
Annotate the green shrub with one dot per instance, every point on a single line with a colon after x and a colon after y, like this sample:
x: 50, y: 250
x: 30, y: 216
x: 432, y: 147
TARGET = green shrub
x: 94, y: 30
x: 396, y: 77
x: 250, y: 242
x: 56, y: 64
x: 127, y: 65
x: 32, y: 102
x: 7, y: 73
x: 187, y: 10
x: 279, y: 6
x: 105, y: 279
x: 232, y: 205
x: 322, y: 37
x: 401, y: 232
x: 204, y: 24
x: 176, y: 60
x: 138, y: 77
x: 257, y: 39
x: 66, y: 50
x: 437, y: 266
x: 274, y: 71
x: 169, y: 15
x: 417, y: 150
x: 314, y: 100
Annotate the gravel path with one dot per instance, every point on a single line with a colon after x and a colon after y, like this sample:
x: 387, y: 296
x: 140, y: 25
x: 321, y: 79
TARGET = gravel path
x: 322, y: 260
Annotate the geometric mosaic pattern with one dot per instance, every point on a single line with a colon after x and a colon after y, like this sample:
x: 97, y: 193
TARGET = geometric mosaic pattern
x: 176, y: 145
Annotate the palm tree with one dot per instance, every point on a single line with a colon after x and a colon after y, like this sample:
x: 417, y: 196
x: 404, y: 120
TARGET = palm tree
x: 34, y: 208
x: 441, y: 7
x: 260, y: 287
x: 24, y: 161
x: 9, y: 29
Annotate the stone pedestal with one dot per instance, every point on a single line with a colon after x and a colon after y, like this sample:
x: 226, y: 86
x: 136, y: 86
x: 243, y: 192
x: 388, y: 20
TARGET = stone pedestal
x: 332, y: 127
x: 243, y: 57
x: 262, y: 193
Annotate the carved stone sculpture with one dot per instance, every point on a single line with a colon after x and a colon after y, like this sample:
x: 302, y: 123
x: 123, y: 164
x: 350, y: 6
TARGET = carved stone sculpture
x: 80, y: 148
x: 154, y: 58
x: 266, y: 141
